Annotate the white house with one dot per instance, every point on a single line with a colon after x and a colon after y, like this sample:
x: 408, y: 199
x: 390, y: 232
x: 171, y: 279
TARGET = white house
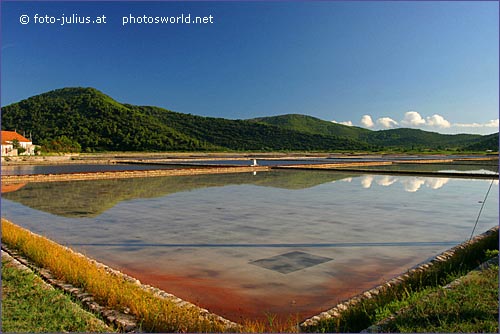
x: 8, y: 140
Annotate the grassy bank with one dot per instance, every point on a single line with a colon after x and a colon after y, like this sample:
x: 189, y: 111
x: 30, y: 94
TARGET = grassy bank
x: 154, y: 314
x: 29, y: 305
x: 469, y: 307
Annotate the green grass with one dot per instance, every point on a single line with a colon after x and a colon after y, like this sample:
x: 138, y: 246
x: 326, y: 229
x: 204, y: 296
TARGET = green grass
x: 30, y: 306
x: 472, y: 307
x: 414, y: 287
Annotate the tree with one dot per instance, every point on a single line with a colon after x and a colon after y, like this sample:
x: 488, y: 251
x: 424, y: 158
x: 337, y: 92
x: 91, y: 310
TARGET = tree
x: 16, y: 145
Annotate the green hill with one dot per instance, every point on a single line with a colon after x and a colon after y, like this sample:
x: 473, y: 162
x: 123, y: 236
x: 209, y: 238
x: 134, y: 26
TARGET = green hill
x: 394, y: 138
x: 309, y: 124
x: 96, y: 122
x: 86, y: 119
x: 419, y: 139
x: 489, y: 142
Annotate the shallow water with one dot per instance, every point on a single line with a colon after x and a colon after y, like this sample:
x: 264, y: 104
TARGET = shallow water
x: 243, y: 245
x: 75, y: 168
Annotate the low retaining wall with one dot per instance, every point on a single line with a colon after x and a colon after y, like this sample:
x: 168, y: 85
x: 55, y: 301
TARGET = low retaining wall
x: 338, y: 165
x: 439, y: 263
x: 424, y: 161
x: 128, y: 174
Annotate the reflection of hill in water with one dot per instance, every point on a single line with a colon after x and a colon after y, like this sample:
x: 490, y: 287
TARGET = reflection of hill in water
x: 91, y: 198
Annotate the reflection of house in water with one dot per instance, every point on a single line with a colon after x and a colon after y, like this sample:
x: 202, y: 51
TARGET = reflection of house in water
x: 15, y: 144
x: 8, y: 188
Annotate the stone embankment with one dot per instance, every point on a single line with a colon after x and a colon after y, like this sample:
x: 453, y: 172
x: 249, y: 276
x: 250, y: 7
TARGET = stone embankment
x: 120, y: 319
x: 424, y: 161
x: 339, y: 165
x: 129, y: 174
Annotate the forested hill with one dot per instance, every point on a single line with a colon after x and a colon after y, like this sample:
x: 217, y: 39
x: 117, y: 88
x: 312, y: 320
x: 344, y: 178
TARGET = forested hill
x: 404, y: 138
x: 90, y: 120
x: 309, y: 124
x: 489, y: 142
x: 86, y: 119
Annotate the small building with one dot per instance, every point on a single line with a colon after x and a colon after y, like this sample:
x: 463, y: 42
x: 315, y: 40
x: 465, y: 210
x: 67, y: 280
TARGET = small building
x: 9, y: 139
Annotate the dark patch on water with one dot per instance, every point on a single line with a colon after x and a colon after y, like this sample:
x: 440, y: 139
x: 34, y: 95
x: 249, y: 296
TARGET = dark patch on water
x: 290, y: 262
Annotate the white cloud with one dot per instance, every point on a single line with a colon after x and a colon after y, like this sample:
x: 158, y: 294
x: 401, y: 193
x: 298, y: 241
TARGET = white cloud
x: 367, y: 121
x: 413, y: 118
x: 387, y: 122
x: 438, y: 121
x: 348, y: 123
x: 416, y: 120
x: 494, y: 123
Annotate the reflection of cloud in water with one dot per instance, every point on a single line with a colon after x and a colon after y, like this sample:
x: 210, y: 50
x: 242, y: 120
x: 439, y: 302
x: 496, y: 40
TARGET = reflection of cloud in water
x: 478, y: 171
x: 366, y: 181
x: 386, y: 180
x: 347, y: 179
x: 436, y: 183
x: 410, y: 184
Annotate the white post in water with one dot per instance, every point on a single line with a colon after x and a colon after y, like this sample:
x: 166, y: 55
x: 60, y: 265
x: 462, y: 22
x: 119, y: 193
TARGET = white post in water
x: 254, y: 162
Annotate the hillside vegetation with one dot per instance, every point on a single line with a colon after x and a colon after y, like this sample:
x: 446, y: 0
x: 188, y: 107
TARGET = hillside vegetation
x: 309, y: 124
x: 489, y: 142
x: 413, y: 139
x: 85, y: 119
x: 94, y: 121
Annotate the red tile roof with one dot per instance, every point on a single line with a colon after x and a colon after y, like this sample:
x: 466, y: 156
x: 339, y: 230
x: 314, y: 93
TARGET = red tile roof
x: 9, y: 136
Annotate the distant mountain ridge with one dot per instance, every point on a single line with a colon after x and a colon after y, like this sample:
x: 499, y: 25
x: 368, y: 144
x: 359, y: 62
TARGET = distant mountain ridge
x: 96, y: 122
x: 393, y: 138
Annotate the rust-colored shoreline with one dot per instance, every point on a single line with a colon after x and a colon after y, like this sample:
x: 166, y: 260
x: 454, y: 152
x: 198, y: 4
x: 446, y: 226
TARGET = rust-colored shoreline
x: 9, y: 179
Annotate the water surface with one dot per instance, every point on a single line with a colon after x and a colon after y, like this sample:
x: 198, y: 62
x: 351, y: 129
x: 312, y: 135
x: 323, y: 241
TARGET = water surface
x: 244, y: 245
x: 75, y: 168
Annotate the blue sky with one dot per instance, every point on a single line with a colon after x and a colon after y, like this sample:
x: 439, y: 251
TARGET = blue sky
x: 429, y: 65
